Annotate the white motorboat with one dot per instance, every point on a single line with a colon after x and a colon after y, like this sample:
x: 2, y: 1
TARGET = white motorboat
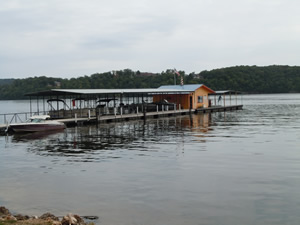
x: 37, y: 123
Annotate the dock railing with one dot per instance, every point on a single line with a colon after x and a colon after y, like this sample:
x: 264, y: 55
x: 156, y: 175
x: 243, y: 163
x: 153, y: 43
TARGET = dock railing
x: 110, y: 111
x: 8, y: 118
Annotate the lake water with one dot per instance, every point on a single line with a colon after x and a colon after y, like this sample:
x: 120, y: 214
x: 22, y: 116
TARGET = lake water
x: 239, y: 167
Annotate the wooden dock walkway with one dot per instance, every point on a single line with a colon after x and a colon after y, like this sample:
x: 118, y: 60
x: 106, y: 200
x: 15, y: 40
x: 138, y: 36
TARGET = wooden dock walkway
x: 136, y: 116
x: 124, y: 117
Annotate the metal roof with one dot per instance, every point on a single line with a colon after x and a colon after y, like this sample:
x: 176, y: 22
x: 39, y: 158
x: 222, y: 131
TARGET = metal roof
x: 54, y: 92
x: 226, y: 92
x: 115, y: 91
x: 186, y: 87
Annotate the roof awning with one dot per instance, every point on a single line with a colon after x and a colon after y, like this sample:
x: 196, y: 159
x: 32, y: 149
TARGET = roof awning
x: 226, y: 92
x: 72, y: 92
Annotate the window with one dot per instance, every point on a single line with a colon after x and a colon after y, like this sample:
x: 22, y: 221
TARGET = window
x: 200, y: 99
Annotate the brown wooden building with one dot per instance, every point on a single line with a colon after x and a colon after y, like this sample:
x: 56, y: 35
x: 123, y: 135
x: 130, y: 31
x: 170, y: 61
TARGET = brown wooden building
x: 191, y: 96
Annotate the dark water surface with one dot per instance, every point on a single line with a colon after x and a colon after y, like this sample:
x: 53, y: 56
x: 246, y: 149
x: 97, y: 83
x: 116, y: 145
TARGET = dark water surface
x: 228, y: 168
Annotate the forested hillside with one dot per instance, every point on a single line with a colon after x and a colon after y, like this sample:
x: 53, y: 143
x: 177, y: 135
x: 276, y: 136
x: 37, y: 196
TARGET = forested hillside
x: 248, y: 79
x: 6, y: 81
x: 253, y: 79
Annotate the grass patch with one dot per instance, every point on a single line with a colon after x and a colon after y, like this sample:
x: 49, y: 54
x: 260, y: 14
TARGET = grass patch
x: 25, y: 222
x: 7, y: 222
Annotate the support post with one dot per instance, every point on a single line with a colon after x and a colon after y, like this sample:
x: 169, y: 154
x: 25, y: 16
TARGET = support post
x: 144, y: 111
x: 114, y: 100
x: 37, y: 105
x: 30, y: 106
x: 7, y: 126
x: 98, y: 115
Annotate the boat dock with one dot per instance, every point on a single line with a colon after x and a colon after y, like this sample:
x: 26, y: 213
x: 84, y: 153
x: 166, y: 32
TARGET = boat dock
x: 81, y: 106
x: 136, y: 116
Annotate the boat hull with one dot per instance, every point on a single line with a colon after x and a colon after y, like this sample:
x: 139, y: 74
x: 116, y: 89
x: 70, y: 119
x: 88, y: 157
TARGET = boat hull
x: 36, y: 127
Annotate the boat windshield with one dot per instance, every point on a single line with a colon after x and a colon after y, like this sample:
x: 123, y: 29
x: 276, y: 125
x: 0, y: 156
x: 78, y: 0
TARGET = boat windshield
x: 36, y: 120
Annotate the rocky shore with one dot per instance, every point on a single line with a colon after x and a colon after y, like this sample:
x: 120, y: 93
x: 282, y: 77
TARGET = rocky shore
x: 7, y: 218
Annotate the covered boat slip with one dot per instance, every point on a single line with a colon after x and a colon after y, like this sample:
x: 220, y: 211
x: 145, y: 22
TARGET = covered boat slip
x: 227, y: 97
x: 98, y: 105
x: 87, y: 105
x: 91, y: 104
x: 82, y: 103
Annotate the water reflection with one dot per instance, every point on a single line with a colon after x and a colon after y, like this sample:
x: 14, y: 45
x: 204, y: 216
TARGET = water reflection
x: 99, y: 142
x: 24, y: 137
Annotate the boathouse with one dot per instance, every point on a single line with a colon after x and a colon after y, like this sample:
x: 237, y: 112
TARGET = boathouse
x: 66, y: 103
x: 189, y: 96
x: 73, y: 106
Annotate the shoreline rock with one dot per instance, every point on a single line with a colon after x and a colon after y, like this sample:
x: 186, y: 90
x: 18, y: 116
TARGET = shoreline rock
x: 48, y: 216
x: 4, y: 211
x: 45, y: 219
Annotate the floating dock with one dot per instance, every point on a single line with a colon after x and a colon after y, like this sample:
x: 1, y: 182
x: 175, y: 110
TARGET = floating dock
x: 82, y: 106
x: 138, y: 116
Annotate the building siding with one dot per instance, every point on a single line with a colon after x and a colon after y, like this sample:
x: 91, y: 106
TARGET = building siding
x: 184, y: 99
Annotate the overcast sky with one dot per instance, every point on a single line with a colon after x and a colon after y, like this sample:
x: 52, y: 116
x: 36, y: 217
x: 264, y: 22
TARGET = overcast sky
x: 72, y: 38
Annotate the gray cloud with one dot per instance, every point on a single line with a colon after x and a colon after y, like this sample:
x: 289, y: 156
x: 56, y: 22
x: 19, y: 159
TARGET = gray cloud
x: 72, y: 38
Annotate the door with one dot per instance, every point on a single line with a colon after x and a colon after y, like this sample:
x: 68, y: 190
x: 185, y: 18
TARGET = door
x: 191, y: 102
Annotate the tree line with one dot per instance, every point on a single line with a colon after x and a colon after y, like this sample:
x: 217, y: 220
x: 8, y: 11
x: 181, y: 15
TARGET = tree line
x: 248, y: 79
